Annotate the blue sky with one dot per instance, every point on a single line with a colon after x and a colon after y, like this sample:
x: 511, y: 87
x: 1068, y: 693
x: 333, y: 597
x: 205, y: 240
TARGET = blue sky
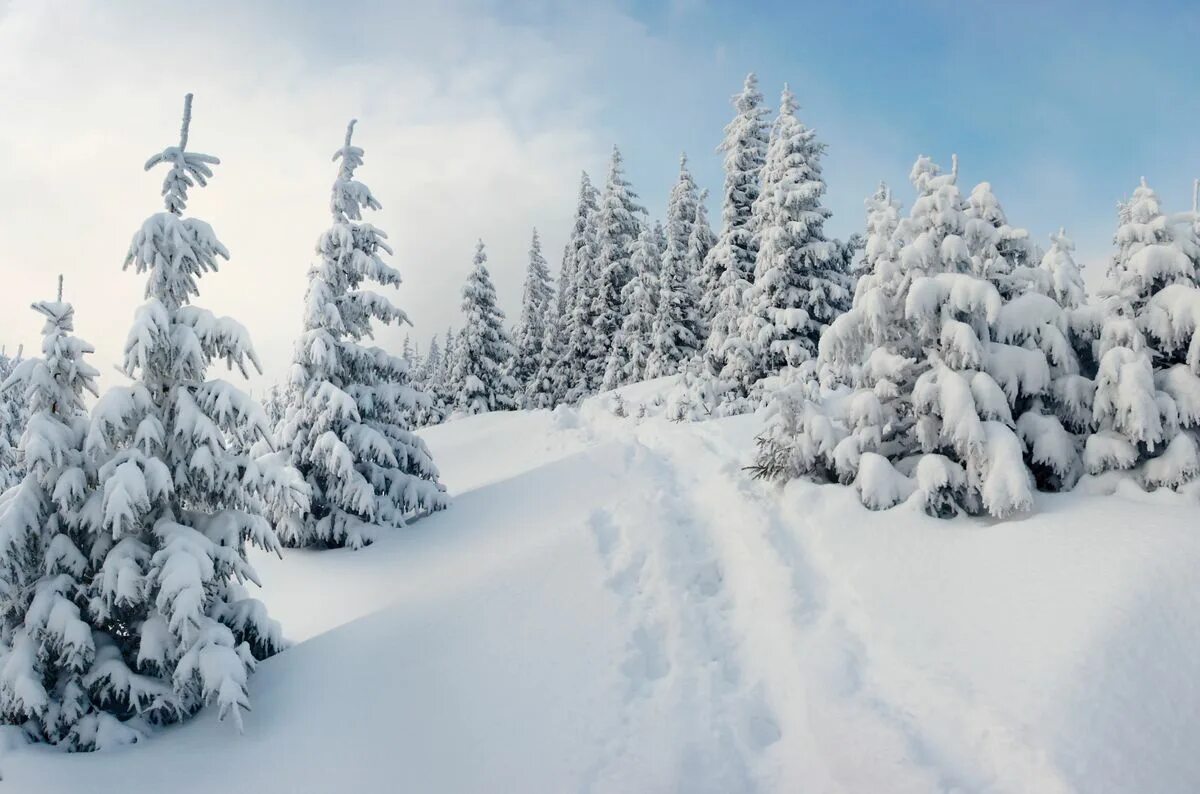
x: 1062, y: 106
x: 477, y: 116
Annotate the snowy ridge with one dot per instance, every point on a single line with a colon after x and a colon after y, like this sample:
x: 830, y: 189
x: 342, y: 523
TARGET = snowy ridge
x: 614, y: 605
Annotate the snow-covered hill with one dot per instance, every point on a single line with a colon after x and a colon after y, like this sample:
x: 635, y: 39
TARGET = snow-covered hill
x: 612, y: 605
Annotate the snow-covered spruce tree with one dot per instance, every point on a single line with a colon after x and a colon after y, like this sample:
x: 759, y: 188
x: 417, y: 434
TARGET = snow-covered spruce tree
x: 1146, y: 405
x: 800, y: 281
x: 431, y: 375
x: 633, y: 348
x: 14, y: 414
x: 955, y: 387
x: 531, y: 326
x: 176, y: 500
x: 678, y: 324
x: 580, y: 240
x: 484, y: 348
x: 729, y: 267
x: 48, y: 650
x: 544, y: 390
x: 348, y: 425
x: 1003, y: 254
x: 578, y: 309
x: 700, y: 242
x: 618, y: 225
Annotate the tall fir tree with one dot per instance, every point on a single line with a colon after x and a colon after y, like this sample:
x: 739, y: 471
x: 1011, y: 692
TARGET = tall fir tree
x: 14, y: 414
x: 729, y: 266
x: 536, y: 303
x: 619, y: 222
x: 800, y: 283
x: 45, y: 548
x: 484, y: 349
x: 579, y: 312
x: 177, y: 500
x: 635, y: 344
x: 678, y: 325
x: 348, y: 425
x: 544, y: 389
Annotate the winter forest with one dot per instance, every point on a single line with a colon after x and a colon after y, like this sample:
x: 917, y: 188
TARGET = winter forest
x: 729, y: 504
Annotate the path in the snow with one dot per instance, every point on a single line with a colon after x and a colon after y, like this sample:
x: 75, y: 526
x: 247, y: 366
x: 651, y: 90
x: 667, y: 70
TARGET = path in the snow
x: 731, y: 626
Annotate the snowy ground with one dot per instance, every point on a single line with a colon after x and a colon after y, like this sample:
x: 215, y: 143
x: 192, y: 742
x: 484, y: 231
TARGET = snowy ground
x: 611, y: 605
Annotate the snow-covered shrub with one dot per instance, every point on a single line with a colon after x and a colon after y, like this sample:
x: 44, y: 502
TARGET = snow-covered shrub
x: 960, y: 354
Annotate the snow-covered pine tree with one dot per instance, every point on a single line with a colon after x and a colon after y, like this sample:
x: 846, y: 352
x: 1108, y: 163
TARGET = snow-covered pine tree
x: 348, y: 425
x: 14, y: 414
x: 950, y: 379
x: 48, y: 649
x: 406, y: 353
x: 729, y: 266
x: 544, y: 389
x: 531, y: 326
x: 800, y: 283
x: 450, y: 386
x: 1146, y: 405
x: 581, y: 239
x: 1004, y: 254
x: 619, y: 223
x: 578, y: 310
x: 177, y: 501
x: 431, y: 375
x: 1066, y: 277
x: 484, y: 348
x: 700, y: 242
x: 678, y: 325
x: 633, y: 350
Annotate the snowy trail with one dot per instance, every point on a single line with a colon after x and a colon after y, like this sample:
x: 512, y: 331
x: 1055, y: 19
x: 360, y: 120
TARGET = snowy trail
x: 786, y: 691
x: 613, y: 605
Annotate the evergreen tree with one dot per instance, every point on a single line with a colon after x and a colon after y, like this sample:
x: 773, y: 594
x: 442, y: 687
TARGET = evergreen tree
x: 176, y: 502
x: 800, y: 284
x: 484, y: 349
x: 14, y: 415
x: 729, y: 266
x: 348, y: 426
x: 535, y: 313
x: 544, y: 388
x: 678, y: 326
x: 579, y: 313
x: 634, y: 347
x: 618, y: 225
x: 700, y: 242
x: 957, y: 394
x: 45, y: 546
x: 432, y: 376
x: 580, y: 240
x: 1146, y: 403
x: 1066, y: 278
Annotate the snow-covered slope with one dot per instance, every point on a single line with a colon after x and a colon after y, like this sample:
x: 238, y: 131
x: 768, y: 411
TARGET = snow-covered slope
x: 611, y: 605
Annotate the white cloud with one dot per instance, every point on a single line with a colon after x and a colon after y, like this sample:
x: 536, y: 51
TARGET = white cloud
x: 471, y: 126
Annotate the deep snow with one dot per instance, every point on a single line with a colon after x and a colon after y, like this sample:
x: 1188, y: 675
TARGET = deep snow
x: 612, y: 605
